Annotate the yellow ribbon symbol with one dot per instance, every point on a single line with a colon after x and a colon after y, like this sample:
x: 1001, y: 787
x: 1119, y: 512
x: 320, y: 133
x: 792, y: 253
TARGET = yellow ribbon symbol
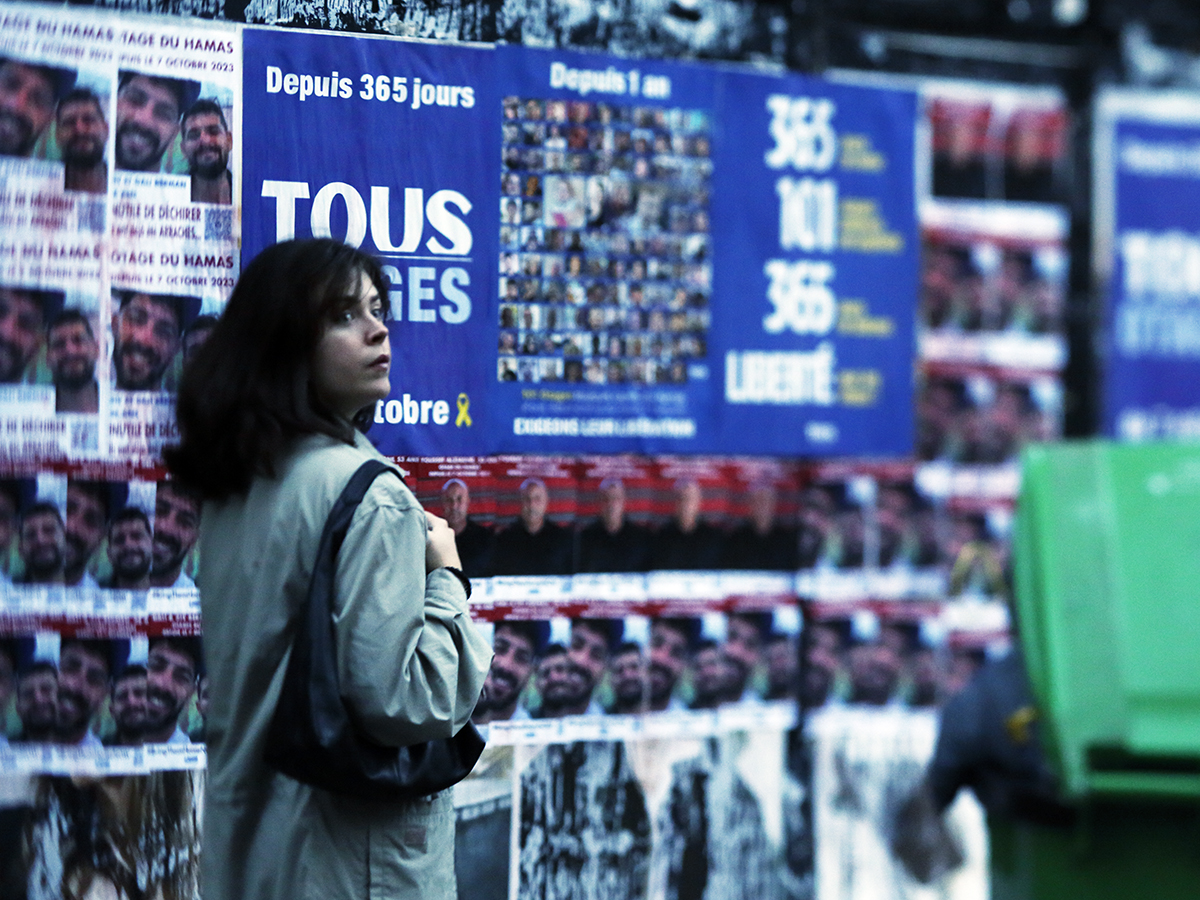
x: 464, y: 417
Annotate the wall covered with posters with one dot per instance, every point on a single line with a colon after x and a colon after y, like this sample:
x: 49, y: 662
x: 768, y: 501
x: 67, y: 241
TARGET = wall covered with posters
x: 719, y: 376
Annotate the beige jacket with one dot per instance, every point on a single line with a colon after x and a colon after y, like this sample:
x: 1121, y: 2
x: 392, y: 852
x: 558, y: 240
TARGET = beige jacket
x: 411, y: 665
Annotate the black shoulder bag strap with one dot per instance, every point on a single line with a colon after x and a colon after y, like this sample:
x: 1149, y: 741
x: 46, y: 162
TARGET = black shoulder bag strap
x: 312, y: 736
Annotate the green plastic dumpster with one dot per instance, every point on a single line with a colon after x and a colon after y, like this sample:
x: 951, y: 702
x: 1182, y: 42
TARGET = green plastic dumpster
x: 1106, y: 560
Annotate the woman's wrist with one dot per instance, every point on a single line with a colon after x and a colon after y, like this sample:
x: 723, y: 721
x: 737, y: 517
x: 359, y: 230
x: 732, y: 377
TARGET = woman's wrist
x: 461, y: 576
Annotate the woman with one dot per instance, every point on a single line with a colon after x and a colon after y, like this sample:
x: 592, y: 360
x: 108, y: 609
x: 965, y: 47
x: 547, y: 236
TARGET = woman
x: 267, y: 411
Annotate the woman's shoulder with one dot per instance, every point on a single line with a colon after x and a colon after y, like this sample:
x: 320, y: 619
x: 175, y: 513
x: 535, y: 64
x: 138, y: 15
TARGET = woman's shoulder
x: 324, y: 465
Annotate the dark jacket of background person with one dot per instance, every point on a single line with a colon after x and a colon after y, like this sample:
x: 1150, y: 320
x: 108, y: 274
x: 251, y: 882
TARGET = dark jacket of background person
x: 410, y: 665
x: 988, y: 741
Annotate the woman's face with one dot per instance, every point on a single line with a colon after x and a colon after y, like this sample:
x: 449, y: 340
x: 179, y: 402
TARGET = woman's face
x: 353, y: 355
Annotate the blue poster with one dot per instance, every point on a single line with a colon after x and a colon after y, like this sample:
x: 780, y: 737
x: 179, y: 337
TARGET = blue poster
x: 1149, y: 204
x: 815, y: 268
x: 698, y: 261
x: 391, y: 146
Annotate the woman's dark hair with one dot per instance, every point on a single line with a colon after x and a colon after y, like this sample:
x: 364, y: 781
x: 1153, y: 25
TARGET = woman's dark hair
x: 246, y: 394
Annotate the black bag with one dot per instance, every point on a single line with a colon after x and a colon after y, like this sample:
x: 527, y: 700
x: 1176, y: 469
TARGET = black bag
x: 312, y: 737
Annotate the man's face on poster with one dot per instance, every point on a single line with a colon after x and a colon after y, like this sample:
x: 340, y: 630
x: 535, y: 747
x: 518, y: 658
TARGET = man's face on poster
x: 612, y: 503
x: 195, y: 338
x: 170, y: 681
x: 512, y: 664
x: 71, y: 354
x: 743, y: 647
x: 147, y: 120
x: 26, y: 106
x: 82, y: 133
x: 534, y: 499
x: 128, y: 704
x: 687, y: 504
x: 456, y: 501
x: 145, y: 339
x: 82, y: 684
x: 206, y: 144
x: 176, y: 526
x: 874, y: 672
x: 42, y: 546
x: 129, y: 549
x: 822, y: 660
x: 711, y: 676
x: 783, y: 667
x: 763, y: 499
x: 20, y: 333
x: 37, y: 700
x: 86, y: 522
x: 554, y: 681
x: 628, y: 675
x: 668, y: 659
x: 588, y: 655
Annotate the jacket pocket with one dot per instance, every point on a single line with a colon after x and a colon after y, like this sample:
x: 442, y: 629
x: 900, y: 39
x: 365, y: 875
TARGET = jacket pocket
x: 411, y: 851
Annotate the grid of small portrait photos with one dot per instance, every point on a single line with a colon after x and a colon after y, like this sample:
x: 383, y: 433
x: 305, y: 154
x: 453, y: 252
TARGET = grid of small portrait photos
x: 605, y: 260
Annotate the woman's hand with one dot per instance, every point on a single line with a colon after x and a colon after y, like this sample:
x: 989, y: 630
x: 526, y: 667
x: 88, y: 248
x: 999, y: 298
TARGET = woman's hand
x: 440, y: 548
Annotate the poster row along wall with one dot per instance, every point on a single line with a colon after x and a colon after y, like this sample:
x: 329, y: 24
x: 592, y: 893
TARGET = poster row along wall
x: 584, y: 252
